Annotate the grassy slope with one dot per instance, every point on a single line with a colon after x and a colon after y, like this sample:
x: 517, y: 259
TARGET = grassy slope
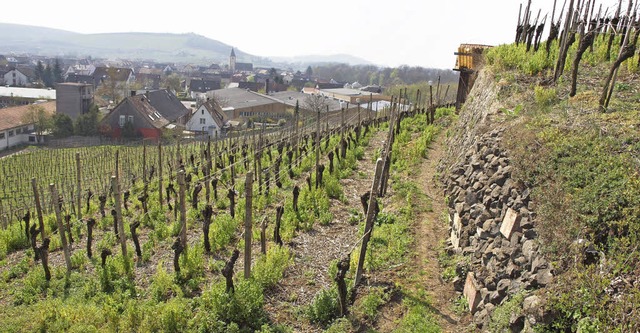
x: 584, y: 166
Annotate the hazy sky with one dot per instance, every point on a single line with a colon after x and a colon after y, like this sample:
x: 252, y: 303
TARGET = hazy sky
x: 389, y: 33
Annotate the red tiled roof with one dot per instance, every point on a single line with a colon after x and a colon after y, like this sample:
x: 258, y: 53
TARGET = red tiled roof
x: 14, y: 116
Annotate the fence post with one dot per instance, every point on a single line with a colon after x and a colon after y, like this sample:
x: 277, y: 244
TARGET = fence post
x: 248, y: 189
x: 368, y: 229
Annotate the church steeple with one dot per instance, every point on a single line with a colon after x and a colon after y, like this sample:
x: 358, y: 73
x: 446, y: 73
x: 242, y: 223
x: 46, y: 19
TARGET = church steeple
x: 232, y: 61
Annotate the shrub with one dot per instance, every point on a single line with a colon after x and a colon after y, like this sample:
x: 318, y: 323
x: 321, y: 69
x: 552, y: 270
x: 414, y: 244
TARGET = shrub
x: 545, y: 97
x: 162, y: 285
x: 244, y: 308
x: 269, y: 269
x: 324, y: 308
x: 333, y: 188
x: 368, y: 307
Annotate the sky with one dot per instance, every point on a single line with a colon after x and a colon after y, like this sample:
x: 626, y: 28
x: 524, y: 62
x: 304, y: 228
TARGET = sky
x: 388, y: 33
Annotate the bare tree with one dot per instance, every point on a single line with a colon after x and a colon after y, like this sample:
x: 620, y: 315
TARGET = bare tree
x: 41, y: 120
x: 315, y: 103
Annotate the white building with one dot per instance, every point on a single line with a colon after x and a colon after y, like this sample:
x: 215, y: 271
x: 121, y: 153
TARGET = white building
x: 207, y: 120
x: 15, y: 77
x: 16, y: 129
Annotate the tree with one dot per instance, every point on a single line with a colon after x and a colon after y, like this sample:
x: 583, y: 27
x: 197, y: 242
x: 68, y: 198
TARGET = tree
x: 39, y: 71
x: 315, y: 103
x: 110, y: 87
x: 87, y: 124
x: 308, y: 72
x: 47, y: 77
x: 38, y: 116
x: 172, y: 82
x: 129, y: 131
x: 62, y: 125
x: 57, y: 72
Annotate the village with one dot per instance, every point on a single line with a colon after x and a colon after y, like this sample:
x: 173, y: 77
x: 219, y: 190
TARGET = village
x: 113, y: 101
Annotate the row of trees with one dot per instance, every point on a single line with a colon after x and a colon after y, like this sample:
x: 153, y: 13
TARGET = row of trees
x: 373, y: 75
x: 49, y: 75
x: 61, y: 125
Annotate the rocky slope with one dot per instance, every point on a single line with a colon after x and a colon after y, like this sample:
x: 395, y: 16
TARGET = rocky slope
x: 492, y: 217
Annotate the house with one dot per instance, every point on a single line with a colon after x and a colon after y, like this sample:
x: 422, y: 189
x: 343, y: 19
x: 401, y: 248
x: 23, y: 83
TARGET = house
x: 16, y: 129
x: 202, y: 85
x: 149, y: 78
x: 24, y: 96
x: 122, y: 76
x: 207, y: 120
x: 253, y: 86
x: 74, y: 99
x: 136, y: 114
x: 329, y: 85
x: 18, y: 77
x: 80, y: 78
x: 291, y: 97
x: 242, y: 104
x: 80, y: 69
x: 169, y: 106
x: 352, y: 96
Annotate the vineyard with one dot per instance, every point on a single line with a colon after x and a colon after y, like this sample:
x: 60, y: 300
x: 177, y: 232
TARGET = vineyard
x: 212, y: 235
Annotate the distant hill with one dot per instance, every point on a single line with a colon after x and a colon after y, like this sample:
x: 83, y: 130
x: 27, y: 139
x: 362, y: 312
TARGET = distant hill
x: 323, y: 59
x: 161, y: 47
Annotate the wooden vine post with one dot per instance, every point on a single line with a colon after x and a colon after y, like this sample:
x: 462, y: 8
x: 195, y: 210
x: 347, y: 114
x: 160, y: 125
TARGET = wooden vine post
x: 118, y: 208
x: 36, y: 198
x: 160, y: 188
x: 248, y: 190
x: 144, y: 165
x: 387, y: 157
x: 368, y: 229
x: 183, y: 210
x: 78, y: 188
x: 317, y: 146
x: 61, y: 229
x: 207, y: 174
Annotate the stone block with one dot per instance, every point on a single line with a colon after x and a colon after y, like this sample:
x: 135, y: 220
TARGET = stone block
x: 471, y: 292
x: 510, y: 223
x: 456, y: 230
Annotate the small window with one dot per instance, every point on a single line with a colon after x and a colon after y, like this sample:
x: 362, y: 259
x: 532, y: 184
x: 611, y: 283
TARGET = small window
x: 203, y: 121
x: 1, y: 135
x: 130, y: 120
x: 10, y: 133
x: 121, y: 121
x: 32, y: 138
x: 202, y: 111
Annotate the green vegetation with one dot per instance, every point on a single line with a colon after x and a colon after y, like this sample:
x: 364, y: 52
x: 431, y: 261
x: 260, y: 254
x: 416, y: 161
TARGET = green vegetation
x: 582, y: 164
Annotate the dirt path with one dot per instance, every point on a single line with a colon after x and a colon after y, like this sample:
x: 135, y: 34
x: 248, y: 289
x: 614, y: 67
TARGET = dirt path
x: 314, y: 251
x: 431, y: 230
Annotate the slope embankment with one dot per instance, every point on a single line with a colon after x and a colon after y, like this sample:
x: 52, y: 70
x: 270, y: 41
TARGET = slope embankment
x: 491, y: 216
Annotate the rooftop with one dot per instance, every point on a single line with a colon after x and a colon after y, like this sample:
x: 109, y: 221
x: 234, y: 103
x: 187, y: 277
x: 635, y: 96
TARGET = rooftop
x: 32, y: 93
x: 241, y: 98
x: 12, y: 117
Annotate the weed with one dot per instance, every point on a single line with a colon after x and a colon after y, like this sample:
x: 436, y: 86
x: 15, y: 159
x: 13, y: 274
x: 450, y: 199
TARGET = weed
x: 270, y: 268
x: 368, y: 307
x: 324, y: 307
